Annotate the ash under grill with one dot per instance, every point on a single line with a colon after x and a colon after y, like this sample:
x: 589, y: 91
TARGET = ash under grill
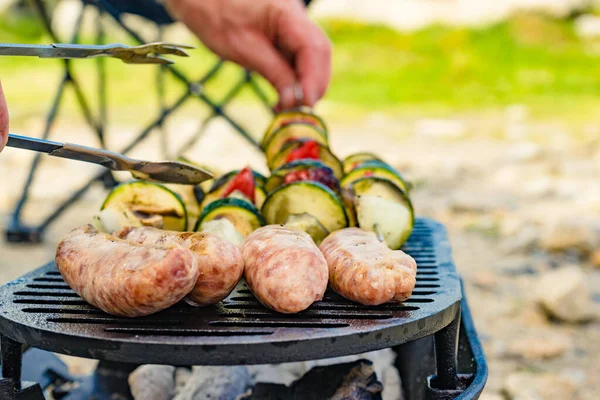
x: 41, y: 310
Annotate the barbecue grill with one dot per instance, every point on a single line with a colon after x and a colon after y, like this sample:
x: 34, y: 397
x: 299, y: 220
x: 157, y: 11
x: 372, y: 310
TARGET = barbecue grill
x: 439, y: 355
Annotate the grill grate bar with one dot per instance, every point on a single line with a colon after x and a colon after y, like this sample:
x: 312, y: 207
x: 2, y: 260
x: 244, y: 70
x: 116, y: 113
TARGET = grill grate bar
x: 305, y: 314
x: 278, y: 324
x: 120, y: 321
x: 53, y: 302
x: 46, y: 294
x: 43, y: 279
x: 331, y: 307
x: 47, y: 286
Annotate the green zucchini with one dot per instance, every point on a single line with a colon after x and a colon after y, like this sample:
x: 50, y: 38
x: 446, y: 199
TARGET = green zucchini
x: 384, y: 208
x: 294, y: 131
x: 309, y: 197
x: 357, y: 159
x: 376, y: 170
x: 301, y: 114
x: 152, y: 203
x: 243, y: 215
x: 325, y: 156
x: 309, y: 224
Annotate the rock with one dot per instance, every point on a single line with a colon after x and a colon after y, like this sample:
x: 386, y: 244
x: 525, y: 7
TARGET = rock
x: 522, y: 241
x: 283, y: 374
x: 491, y: 396
x: 595, y: 258
x: 540, y: 187
x: 564, y: 294
x: 470, y: 202
x: 533, y: 317
x: 152, y: 382
x: 524, y: 152
x: 545, y: 386
x: 567, y: 234
x: 539, y: 347
x: 440, y: 128
x: 485, y: 280
x: 222, y: 383
x: 519, y: 269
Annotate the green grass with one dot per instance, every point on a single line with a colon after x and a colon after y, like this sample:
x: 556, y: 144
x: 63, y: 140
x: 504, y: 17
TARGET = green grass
x: 529, y: 59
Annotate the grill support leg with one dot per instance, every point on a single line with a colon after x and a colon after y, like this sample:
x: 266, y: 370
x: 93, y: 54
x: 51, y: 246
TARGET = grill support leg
x: 446, y: 350
x: 12, y: 353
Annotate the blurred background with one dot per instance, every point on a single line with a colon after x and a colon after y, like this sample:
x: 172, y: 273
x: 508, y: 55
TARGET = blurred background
x: 492, y: 109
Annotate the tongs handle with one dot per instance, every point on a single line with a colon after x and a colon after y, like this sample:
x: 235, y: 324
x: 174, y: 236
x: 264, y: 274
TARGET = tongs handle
x: 150, y: 53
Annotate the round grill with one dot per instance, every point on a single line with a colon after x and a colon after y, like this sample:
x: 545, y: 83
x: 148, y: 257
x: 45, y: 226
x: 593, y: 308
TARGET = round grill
x: 41, y: 310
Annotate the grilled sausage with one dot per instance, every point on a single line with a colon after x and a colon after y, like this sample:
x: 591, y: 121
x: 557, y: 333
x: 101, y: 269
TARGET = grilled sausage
x: 122, y: 278
x: 284, y: 268
x: 364, y: 270
x: 219, y: 261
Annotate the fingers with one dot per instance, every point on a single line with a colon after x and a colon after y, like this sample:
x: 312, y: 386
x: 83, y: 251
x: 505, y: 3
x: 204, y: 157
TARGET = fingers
x: 3, y: 119
x: 311, y: 50
x: 258, y: 54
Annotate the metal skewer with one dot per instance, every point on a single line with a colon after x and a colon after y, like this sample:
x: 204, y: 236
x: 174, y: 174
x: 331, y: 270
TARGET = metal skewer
x: 377, y: 231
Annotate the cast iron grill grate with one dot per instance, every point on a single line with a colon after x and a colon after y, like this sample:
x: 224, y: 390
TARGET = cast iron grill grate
x: 41, y: 310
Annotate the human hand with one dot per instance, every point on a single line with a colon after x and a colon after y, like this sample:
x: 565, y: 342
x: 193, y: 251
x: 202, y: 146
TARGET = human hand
x: 3, y: 120
x: 272, y: 37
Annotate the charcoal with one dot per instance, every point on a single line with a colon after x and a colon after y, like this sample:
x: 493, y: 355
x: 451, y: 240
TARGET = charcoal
x: 350, y: 381
x: 216, y: 383
x: 152, y: 382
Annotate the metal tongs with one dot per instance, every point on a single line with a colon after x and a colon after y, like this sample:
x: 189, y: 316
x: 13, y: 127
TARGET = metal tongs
x: 167, y: 171
x: 144, y: 54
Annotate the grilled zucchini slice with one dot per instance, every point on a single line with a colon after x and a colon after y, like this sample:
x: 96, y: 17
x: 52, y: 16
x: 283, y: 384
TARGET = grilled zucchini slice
x: 325, y: 156
x: 152, y: 203
x: 243, y: 215
x: 308, y: 197
x: 357, y: 159
x: 290, y: 132
x: 309, y: 224
x: 382, y: 206
x: 302, y: 114
x: 376, y: 170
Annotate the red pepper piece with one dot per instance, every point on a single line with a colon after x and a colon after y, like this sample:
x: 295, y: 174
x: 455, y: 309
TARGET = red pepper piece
x: 320, y: 175
x: 244, y: 182
x: 308, y: 150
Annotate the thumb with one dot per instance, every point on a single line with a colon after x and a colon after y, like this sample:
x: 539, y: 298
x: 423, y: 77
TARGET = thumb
x: 3, y: 119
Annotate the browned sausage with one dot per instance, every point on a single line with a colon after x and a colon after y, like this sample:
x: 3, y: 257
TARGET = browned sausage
x: 123, y: 278
x: 364, y: 270
x: 219, y: 261
x: 284, y: 268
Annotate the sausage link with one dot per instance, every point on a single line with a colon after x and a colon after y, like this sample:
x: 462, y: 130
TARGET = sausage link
x: 123, y: 278
x: 284, y: 268
x: 219, y: 261
x: 364, y: 270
